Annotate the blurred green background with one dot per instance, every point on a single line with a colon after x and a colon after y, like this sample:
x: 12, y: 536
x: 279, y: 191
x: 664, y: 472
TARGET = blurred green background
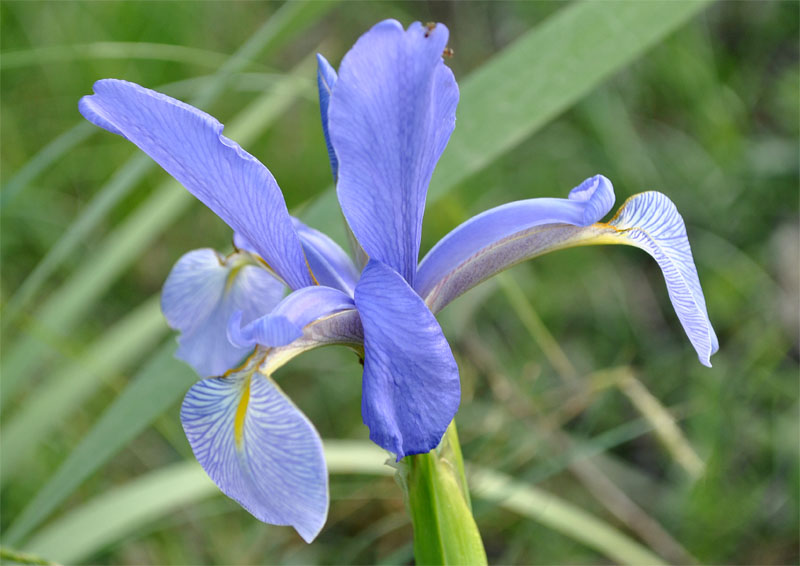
x: 578, y: 381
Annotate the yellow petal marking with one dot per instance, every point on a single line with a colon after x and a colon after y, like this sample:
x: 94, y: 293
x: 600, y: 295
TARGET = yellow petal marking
x: 241, y: 413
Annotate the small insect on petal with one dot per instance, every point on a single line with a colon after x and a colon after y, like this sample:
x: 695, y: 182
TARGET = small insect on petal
x: 448, y: 53
x: 429, y: 27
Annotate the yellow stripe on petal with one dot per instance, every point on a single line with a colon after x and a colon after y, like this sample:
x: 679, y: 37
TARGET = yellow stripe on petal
x: 241, y: 414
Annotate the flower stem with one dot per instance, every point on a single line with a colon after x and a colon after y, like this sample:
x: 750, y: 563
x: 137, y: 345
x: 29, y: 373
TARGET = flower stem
x: 438, y: 501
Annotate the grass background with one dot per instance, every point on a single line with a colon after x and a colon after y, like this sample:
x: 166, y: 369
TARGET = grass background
x: 569, y: 363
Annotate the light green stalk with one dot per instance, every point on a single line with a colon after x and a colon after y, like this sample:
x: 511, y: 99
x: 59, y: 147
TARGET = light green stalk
x: 438, y: 501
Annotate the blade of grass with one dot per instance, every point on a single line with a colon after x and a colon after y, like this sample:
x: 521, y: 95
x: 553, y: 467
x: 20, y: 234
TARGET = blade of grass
x: 72, y: 137
x: 664, y: 426
x: 11, y: 555
x: 291, y: 18
x: 596, y: 482
x: 112, y: 50
x: 649, y: 406
x: 117, y: 513
x: 558, y: 515
x: 114, y: 514
x: 157, y: 386
x: 546, y: 71
x: 66, y: 389
x: 46, y: 156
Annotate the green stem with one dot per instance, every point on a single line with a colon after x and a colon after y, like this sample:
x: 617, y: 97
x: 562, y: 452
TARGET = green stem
x: 438, y: 501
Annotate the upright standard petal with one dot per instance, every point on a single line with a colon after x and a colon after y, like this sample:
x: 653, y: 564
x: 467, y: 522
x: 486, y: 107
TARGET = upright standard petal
x: 651, y: 222
x: 390, y: 117
x: 326, y: 79
x: 259, y: 449
x: 201, y: 293
x: 285, y: 323
x: 190, y: 146
x: 500, y: 237
x: 411, y: 388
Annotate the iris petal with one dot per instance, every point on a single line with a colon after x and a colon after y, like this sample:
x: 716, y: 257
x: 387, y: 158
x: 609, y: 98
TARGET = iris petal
x: 259, y: 449
x: 498, y: 238
x: 201, y: 293
x: 502, y: 237
x: 330, y: 264
x: 326, y: 79
x: 190, y: 146
x: 285, y: 323
x: 651, y: 222
x: 411, y: 388
x: 390, y: 117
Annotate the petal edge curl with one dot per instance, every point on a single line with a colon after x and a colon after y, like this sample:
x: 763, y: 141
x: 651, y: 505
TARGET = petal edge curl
x: 503, y: 236
x: 650, y: 221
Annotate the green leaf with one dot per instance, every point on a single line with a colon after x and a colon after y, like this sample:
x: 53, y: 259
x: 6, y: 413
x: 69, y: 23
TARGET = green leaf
x: 559, y: 515
x: 118, y: 512
x: 11, y: 555
x: 67, y: 388
x: 43, y: 159
x: 112, y: 50
x: 545, y: 72
x: 155, y: 388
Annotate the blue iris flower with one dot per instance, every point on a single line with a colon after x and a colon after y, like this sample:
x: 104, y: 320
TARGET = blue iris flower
x: 387, y: 117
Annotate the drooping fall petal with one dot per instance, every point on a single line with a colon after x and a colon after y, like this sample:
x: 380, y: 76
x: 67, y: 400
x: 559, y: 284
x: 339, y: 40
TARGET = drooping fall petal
x: 259, y: 449
x: 411, y: 389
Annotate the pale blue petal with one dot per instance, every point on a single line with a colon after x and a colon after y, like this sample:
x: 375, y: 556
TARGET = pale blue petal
x: 390, y: 117
x: 259, y: 449
x: 493, y: 240
x: 190, y: 146
x: 326, y: 79
x: 411, y: 388
x: 329, y: 263
x: 651, y: 222
x: 201, y: 293
x: 285, y: 323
